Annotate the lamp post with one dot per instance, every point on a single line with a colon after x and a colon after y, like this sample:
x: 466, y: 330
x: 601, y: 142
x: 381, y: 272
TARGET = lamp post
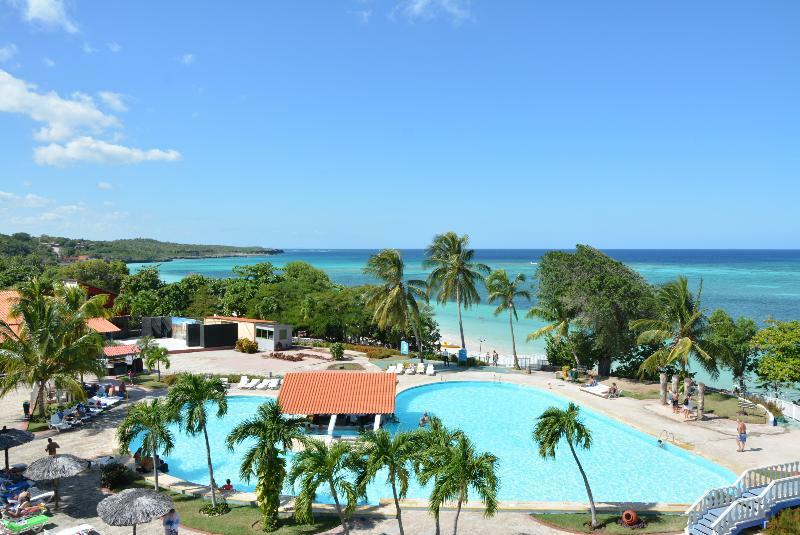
x: 480, y: 347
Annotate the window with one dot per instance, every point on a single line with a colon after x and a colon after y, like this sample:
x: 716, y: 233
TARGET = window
x: 264, y: 333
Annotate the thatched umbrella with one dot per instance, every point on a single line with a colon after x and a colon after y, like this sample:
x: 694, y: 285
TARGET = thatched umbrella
x: 133, y: 506
x: 10, y: 438
x: 55, y: 467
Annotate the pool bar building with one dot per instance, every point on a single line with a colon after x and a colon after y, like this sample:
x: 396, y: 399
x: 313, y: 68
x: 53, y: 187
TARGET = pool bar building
x: 269, y: 335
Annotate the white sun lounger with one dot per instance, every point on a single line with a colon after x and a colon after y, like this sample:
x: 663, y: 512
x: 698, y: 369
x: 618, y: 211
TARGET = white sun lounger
x: 391, y: 369
x: 599, y: 390
x: 411, y: 370
x: 83, y: 529
x: 262, y: 385
x: 252, y: 384
x: 243, y: 380
x: 58, y: 424
x: 430, y: 370
x: 274, y: 384
x: 421, y: 368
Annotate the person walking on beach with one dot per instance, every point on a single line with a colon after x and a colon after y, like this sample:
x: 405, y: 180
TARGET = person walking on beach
x: 51, y: 446
x: 741, y: 435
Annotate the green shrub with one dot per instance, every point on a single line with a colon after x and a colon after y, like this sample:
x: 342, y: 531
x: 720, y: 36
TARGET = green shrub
x: 337, y: 351
x: 245, y: 345
x: 170, y: 379
x: 222, y: 508
x: 786, y: 523
x: 116, y: 476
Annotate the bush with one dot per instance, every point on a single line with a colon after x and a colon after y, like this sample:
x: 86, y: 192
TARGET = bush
x: 170, y: 379
x: 337, y: 351
x: 286, y: 356
x: 222, y: 508
x: 372, y: 352
x: 245, y: 345
x: 786, y: 523
x: 116, y: 476
x: 771, y: 406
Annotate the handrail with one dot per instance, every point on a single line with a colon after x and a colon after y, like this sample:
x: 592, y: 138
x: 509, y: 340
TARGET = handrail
x: 756, y: 507
x: 753, y: 477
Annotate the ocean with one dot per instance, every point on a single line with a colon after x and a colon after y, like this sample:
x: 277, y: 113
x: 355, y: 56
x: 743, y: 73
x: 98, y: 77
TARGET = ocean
x: 755, y: 283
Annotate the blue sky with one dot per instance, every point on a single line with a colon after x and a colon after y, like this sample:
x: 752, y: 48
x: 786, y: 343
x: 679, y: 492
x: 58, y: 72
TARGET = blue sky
x: 374, y: 123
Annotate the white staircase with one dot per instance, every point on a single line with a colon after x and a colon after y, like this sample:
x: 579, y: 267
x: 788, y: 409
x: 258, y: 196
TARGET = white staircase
x: 752, y: 500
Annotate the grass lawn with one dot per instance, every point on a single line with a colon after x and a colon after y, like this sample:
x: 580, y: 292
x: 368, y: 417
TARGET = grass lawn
x: 37, y: 426
x: 656, y: 523
x: 725, y: 406
x: 647, y: 394
x: 243, y: 519
x: 149, y: 380
x: 346, y: 366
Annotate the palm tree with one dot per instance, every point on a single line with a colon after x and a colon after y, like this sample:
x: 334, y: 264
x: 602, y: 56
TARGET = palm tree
x: 505, y: 291
x: 394, y: 301
x: 273, y: 434
x: 463, y: 469
x: 379, y: 450
x: 320, y: 464
x: 156, y: 356
x: 50, y: 345
x: 558, y: 320
x: 680, y: 330
x: 193, y: 395
x: 150, y: 422
x: 555, y: 425
x: 435, y: 442
x: 454, y: 275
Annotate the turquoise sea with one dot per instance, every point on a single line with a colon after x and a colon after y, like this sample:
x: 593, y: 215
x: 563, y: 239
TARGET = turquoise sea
x: 755, y: 283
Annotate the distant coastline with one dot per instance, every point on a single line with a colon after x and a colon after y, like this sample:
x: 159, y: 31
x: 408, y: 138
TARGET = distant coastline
x: 266, y: 252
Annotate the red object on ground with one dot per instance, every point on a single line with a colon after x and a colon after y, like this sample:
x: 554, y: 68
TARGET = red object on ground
x: 630, y: 518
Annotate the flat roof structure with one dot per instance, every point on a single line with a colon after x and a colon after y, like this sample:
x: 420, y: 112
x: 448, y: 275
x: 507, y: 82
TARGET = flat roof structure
x: 338, y: 392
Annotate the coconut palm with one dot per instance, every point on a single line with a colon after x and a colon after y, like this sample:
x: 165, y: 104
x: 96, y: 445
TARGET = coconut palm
x: 394, y: 301
x: 558, y: 320
x: 464, y: 469
x: 51, y: 345
x: 680, y: 330
x: 435, y: 441
x: 555, y: 425
x: 454, y: 273
x: 273, y: 433
x: 504, y: 291
x: 379, y: 450
x: 319, y: 464
x: 156, y: 356
x: 192, y: 396
x: 150, y: 423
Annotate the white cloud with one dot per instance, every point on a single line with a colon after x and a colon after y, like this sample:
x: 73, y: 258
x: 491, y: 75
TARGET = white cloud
x: 48, y: 13
x: 49, y: 62
x: 88, y: 149
x: 88, y: 48
x: 115, y: 101
x: 187, y: 59
x: 71, y: 126
x: 29, y: 200
x: 114, y: 47
x: 104, y: 185
x: 456, y: 10
x: 7, y: 52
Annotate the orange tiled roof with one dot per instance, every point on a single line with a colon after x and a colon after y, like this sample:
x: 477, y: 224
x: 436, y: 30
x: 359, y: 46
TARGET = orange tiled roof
x: 102, y: 325
x: 338, y: 392
x: 9, y: 298
x: 238, y: 319
x: 120, y: 351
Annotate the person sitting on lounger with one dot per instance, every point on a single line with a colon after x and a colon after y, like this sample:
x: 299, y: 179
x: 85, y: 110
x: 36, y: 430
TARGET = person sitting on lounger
x: 22, y: 497
x: 227, y: 486
x: 613, y: 391
x: 592, y: 381
x: 19, y: 510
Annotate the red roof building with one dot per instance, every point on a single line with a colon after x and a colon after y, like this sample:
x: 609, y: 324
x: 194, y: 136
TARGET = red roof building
x: 338, y: 392
x: 121, y: 351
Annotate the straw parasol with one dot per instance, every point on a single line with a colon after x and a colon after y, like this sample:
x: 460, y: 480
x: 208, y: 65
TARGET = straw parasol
x: 134, y: 506
x: 11, y: 438
x: 55, y: 467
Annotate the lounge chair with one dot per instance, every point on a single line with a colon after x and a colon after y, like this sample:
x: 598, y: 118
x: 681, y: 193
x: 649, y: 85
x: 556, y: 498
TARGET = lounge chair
x: 421, y: 368
x: 430, y: 370
x: 243, y: 380
x: 391, y: 369
x: 225, y: 382
x: 597, y: 390
x: 411, y: 370
x: 42, y: 498
x: 83, y: 529
x: 34, y: 523
x: 252, y: 384
x: 58, y: 424
x: 263, y: 384
x: 274, y: 384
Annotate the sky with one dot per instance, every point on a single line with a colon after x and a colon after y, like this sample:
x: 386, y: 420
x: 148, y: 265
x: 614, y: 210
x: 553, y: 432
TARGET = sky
x: 379, y: 123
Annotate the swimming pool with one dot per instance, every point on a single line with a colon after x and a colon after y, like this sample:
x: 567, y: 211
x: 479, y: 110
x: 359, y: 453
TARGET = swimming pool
x: 622, y: 465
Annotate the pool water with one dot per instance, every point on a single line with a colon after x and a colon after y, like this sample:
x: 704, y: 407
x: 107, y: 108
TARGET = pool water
x: 622, y: 465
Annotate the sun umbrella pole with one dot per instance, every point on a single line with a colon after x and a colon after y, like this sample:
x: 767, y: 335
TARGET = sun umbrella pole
x: 55, y: 492
x: 6, y: 459
x: 134, y: 529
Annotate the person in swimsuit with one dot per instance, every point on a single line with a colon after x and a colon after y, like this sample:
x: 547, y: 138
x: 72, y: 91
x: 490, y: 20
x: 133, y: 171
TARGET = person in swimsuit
x: 741, y: 438
x: 51, y: 447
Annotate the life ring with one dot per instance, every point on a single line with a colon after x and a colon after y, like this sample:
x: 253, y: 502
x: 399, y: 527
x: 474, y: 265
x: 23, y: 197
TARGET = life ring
x: 629, y: 518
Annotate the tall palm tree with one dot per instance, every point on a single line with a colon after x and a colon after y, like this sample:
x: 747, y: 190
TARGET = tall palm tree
x: 273, y: 433
x: 319, y: 464
x: 394, y: 301
x: 50, y: 345
x: 150, y: 422
x: 455, y: 275
x: 555, y: 425
x: 156, y: 356
x: 379, y: 450
x: 435, y: 443
x: 558, y: 320
x: 680, y: 330
x: 465, y: 469
x: 191, y: 396
x: 504, y: 291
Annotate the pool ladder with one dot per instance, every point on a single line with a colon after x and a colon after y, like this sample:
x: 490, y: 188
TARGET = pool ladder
x: 666, y: 435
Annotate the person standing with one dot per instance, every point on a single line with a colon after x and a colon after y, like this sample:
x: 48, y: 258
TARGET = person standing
x: 51, y: 447
x: 495, y: 357
x: 171, y: 522
x: 741, y: 435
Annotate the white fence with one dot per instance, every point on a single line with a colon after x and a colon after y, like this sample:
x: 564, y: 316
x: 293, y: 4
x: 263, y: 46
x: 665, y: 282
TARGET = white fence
x: 789, y: 409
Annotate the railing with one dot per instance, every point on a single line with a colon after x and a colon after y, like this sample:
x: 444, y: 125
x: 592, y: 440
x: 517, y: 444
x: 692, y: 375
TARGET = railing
x: 757, y: 507
x: 754, y: 477
x: 789, y: 409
